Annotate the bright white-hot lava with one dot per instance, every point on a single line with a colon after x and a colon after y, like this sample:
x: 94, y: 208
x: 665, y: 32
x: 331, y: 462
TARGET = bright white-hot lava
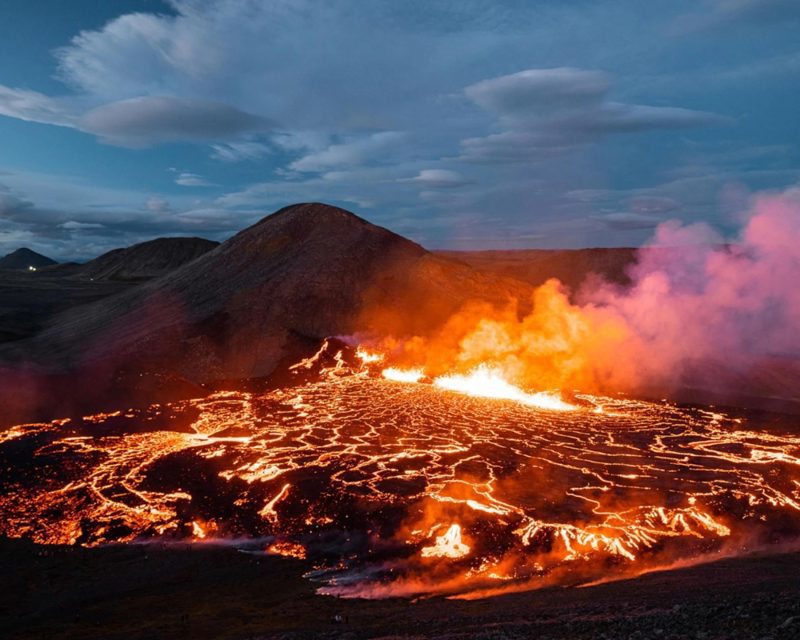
x: 486, y: 382
x: 482, y: 382
x: 368, y: 357
x: 403, y: 375
x: 447, y: 545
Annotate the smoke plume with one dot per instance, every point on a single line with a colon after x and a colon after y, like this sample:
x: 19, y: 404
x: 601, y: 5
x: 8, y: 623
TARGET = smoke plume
x: 699, y: 311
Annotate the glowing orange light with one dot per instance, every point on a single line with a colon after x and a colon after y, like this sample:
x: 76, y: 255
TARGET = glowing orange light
x: 448, y: 545
x: 368, y: 357
x: 403, y: 375
x: 287, y: 549
x: 486, y: 382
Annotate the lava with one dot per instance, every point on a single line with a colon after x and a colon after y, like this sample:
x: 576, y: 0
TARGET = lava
x: 438, y: 484
x: 288, y: 549
x: 485, y: 382
x: 403, y: 375
x: 448, y: 545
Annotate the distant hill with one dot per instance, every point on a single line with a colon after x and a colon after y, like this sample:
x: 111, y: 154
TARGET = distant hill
x: 535, y: 266
x: 303, y: 273
x: 23, y: 259
x: 146, y: 260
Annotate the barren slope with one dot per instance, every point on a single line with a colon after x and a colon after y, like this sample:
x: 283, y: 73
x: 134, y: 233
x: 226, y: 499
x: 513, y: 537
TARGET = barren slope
x: 146, y: 259
x: 535, y: 266
x: 304, y: 272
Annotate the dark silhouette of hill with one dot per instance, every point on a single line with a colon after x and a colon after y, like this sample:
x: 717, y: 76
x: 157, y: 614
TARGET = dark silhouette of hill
x: 535, y: 266
x: 28, y: 301
x: 24, y: 258
x: 147, y: 259
x: 303, y: 273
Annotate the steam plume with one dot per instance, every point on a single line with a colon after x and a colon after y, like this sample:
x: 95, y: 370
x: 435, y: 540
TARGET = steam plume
x: 695, y: 305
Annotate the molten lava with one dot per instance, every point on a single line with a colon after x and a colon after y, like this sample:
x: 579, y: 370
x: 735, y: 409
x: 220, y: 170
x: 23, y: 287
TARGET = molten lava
x: 485, y: 382
x: 464, y: 486
x: 403, y: 375
x: 448, y: 545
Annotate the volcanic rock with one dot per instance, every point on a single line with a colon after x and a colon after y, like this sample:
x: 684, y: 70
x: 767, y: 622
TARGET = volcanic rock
x: 147, y: 259
x: 23, y: 259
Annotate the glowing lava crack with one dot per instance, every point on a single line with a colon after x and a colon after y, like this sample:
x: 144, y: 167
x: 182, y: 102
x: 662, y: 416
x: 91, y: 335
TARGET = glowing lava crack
x: 404, y: 488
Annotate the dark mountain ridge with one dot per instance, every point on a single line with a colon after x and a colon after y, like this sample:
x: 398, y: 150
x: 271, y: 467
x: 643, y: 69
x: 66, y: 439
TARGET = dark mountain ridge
x: 146, y: 260
x: 303, y: 273
x: 269, y: 295
x: 23, y: 259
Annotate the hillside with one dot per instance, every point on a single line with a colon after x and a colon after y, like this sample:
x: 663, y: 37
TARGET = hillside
x: 23, y: 259
x: 303, y: 273
x: 146, y: 260
x: 535, y: 266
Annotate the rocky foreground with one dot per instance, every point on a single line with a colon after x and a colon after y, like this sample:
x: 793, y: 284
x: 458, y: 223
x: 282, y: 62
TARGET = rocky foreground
x: 202, y: 591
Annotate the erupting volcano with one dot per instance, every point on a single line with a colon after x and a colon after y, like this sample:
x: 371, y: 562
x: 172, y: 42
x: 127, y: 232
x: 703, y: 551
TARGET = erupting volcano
x: 543, y: 381
x: 496, y: 439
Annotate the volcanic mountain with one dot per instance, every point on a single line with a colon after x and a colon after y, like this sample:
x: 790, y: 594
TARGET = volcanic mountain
x: 303, y: 273
x: 147, y: 259
x: 24, y: 258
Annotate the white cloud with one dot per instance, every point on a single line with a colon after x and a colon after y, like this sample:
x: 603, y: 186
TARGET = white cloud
x: 186, y: 179
x: 437, y: 179
x: 74, y: 225
x: 533, y: 92
x: 546, y: 111
x: 157, y: 205
x: 32, y: 106
x: 134, y: 122
x: 152, y: 119
x: 239, y: 151
x: 351, y: 153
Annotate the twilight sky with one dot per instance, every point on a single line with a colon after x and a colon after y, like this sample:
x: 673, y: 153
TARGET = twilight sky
x: 460, y: 124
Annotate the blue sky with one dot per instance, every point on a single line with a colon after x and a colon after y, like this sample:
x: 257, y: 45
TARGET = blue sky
x: 460, y: 124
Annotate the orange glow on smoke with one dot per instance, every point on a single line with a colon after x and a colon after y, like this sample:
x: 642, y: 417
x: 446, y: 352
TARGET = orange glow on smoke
x: 486, y: 352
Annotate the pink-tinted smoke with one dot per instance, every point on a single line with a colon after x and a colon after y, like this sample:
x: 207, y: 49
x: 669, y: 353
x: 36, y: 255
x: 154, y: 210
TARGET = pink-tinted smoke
x: 695, y: 300
x: 700, y: 314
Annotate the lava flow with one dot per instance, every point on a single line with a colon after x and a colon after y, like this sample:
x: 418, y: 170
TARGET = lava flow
x: 389, y: 483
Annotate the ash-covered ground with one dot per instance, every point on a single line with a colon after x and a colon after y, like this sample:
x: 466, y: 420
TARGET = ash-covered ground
x: 196, y: 591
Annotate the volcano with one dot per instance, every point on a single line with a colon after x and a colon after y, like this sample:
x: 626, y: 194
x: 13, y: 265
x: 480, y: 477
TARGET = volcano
x: 322, y: 388
x: 303, y: 273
